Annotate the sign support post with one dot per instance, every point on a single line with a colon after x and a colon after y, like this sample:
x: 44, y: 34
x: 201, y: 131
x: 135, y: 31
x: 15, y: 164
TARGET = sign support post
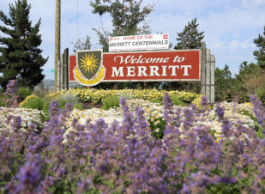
x: 203, y: 54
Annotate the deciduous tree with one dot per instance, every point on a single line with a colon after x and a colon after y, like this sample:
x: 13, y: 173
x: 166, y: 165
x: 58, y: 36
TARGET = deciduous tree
x: 79, y: 45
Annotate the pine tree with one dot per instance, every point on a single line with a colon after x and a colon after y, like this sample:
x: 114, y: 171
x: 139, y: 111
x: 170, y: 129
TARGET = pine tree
x: 21, y: 58
x: 260, y: 55
x: 190, y: 38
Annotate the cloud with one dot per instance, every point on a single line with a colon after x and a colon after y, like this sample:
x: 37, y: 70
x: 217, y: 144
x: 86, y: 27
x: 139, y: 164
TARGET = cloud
x: 250, y: 3
x: 236, y: 45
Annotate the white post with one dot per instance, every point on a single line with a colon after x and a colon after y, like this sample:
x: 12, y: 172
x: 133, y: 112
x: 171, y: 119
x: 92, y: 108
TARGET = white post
x: 61, y: 74
x: 212, y: 79
x: 203, y: 56
x: 208, y: 76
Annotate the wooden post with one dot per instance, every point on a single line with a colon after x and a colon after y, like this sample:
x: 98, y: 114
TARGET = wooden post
x: 203, y: 56
x: 57, y: 40
x: 212, y: 79
x: 61, y: 78
x: 208, y: 76
x: 66, y: 69
x: 58, y: 76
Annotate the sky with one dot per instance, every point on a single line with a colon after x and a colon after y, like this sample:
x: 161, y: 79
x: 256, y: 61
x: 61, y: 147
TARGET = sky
x: 229, y: 26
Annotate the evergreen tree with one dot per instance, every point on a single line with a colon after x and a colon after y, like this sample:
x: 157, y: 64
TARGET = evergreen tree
x: 260, y: 55
x: 190, y: 38
x: 20, y: 58
x: 245, y: 69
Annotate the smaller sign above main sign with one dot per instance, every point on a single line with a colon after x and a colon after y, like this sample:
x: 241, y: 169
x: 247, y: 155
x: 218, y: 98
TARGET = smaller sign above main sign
x: 139, y: 42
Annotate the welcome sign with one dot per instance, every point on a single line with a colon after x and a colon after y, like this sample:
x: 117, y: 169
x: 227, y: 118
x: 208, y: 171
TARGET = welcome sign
x: 175, y: 65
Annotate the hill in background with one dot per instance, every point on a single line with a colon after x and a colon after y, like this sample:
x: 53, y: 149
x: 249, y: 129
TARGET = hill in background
x: 49, y: 84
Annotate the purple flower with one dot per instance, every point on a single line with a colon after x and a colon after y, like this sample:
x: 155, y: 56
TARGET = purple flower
x: 29, y: 174
x: 226, y: 128
x: 220, y: 111
x: 83, y: 186
x: 204, y: 101
x: 10, y: 93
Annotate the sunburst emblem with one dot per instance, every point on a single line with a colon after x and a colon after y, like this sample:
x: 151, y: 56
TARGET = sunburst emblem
x: 89, y: 63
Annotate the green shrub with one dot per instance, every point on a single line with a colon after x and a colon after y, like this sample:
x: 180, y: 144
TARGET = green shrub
x: 23, y: 92
x: 156, y: 101
x: 261, y: 94
x: 176, y: 101
x: 110, y: 102
x: 62, y: 103
x: 258, y: 129
x: 157, y: 126
x: 78, y: 106
x: 68, y: 97
x: 45, y: 106
x: 127, y: 95
x: 2, y: 103
x: 33, y: 103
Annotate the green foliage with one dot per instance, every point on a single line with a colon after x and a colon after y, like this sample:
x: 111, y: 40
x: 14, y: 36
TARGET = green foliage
x: 258, y: 129
x: 157, y: 126
x: 110, y: 102
x: 62, y: 103
x: 126, y: 16
x: 45, y: 106
x: 260, y: 92
x: 160, y: 101
x: 62, y: 100
x: 176, y: 101
x: 245, y: 69
x: 224, y: 83
x: 189, y: 38
x: 124, y: 94
x: 78, y: 106
x: 23, y: 92
x: 2, y: 103
x: 194, y: 86
x: 44, y: 117
x: 69, y: 97
x: 260, y: 55
x: 86, y: 45
x: 20, y: 57
x: 34, y: 103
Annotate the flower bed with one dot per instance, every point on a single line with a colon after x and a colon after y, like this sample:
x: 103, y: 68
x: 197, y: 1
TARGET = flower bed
x: 202, y: 151
x: 95, y: 96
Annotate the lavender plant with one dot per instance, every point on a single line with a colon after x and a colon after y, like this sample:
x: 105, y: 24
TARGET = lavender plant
x: 125, y: 158
x: 11, y: 99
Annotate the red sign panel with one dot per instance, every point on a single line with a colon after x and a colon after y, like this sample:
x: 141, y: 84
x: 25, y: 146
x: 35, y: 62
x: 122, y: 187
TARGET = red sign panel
x: 184, y: 65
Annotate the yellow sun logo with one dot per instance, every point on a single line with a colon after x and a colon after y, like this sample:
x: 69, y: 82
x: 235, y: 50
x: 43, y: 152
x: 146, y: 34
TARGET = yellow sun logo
x: 89, y: 63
